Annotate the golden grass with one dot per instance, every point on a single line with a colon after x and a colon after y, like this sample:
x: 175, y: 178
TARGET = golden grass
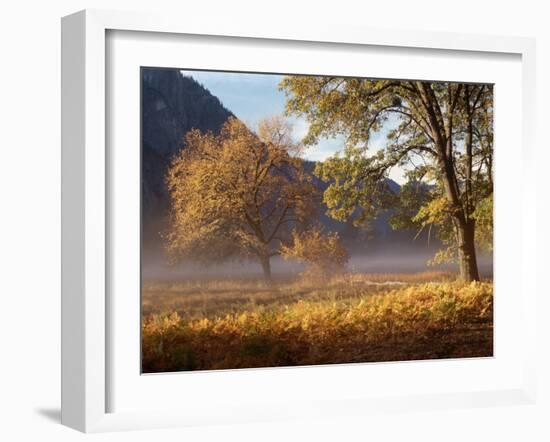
x: 193, y: 299
x: 346, y: 322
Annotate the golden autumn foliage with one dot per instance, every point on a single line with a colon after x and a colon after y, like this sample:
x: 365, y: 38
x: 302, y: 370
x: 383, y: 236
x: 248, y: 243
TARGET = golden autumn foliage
x: 238, y: 193
x: 419, y: 321
x: 322, y: 253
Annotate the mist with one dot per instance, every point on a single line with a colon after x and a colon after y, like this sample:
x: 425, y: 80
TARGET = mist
x: 155, y: 266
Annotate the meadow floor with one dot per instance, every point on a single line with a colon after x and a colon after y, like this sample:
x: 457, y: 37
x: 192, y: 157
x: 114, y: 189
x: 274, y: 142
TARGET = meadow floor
x: 225, y: 324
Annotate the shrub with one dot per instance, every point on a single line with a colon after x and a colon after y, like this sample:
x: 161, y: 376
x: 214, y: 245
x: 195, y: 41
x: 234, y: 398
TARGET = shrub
x: 322, y: 253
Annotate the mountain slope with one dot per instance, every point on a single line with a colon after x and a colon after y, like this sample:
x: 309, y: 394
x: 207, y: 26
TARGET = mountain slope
x: 171, y: 105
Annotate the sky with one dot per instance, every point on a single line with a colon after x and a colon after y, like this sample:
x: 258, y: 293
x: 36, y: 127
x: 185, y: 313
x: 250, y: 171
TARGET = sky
x: 253, y: 97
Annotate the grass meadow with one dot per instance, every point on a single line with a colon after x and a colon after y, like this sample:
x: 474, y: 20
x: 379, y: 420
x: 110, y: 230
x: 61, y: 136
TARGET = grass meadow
x: 227, y: 324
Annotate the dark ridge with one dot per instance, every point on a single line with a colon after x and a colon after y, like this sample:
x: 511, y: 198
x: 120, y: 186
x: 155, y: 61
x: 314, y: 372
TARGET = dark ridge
x: 171, y: 105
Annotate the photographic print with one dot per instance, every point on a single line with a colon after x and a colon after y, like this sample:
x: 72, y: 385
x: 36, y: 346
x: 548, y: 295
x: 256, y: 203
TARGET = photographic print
x: 294, y: 220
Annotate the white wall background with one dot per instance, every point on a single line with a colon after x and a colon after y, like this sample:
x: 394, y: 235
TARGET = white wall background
x: 30, y: 215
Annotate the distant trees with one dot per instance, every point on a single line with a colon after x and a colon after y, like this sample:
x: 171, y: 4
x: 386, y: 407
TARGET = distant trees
x: 323, y: 254
x: 238, y: 193
x: 442, y: 130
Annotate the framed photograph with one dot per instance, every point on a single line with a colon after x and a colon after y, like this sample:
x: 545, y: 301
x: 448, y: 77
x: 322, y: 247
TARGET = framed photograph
x: 281, y: 223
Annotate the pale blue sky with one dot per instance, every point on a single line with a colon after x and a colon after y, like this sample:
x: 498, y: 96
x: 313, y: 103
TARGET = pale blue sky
x: 252, y: 97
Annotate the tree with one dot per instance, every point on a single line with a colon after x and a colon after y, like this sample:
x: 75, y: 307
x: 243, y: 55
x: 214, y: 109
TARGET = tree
x: 443, y: 131
x: 237, y: 194
x: 322, y: 253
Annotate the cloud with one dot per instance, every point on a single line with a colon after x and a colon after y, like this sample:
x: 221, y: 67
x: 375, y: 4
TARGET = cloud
x: 325, y: 148
x: 300, y: 127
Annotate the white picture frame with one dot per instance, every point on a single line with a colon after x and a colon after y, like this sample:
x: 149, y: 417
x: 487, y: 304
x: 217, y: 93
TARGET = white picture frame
x: 86, y: 201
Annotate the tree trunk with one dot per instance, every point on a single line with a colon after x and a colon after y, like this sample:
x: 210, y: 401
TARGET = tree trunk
x: 465, y: 227
x: 461, y: 204
x: 466, y: 251
x: 266, y: 267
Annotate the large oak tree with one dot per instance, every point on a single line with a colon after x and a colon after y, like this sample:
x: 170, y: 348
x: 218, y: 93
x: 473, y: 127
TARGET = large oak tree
x: 238, y: 193
x: 442, y: 131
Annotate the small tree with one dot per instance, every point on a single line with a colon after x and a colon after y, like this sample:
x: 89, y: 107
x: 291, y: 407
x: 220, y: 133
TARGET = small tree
x: 323, y: 254
x: 237, y: 194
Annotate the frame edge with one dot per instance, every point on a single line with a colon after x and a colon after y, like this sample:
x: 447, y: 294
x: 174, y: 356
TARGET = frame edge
x: 73, y: 80
x: 83, y: 374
